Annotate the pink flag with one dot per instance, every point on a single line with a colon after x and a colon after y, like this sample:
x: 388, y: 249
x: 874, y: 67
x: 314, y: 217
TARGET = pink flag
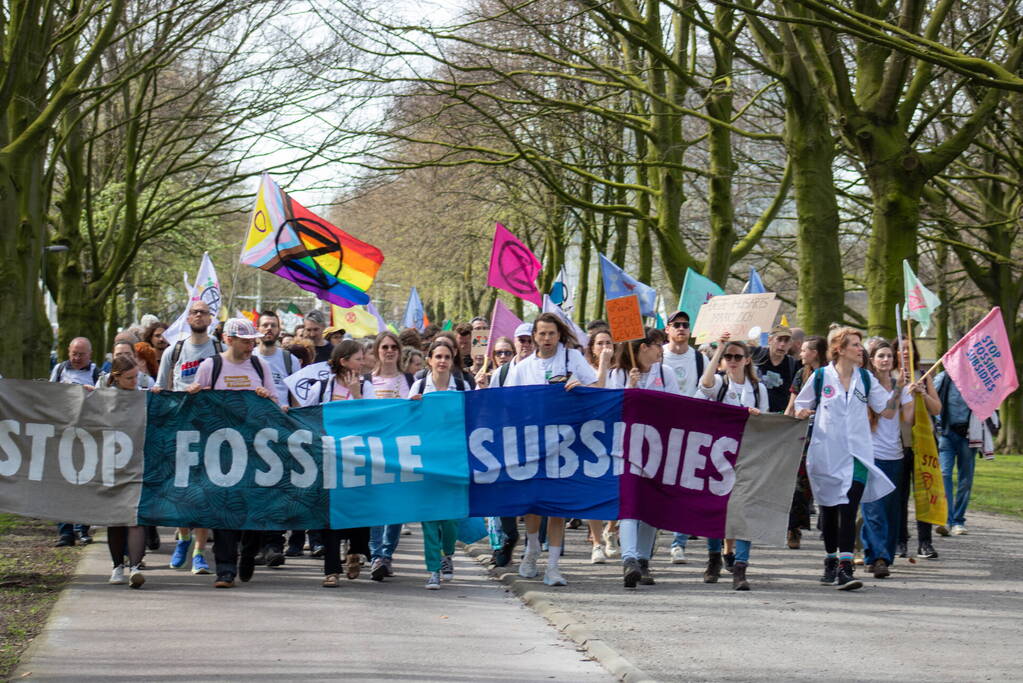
x: 502, y: 324
x: 981, y: 365
x: 513, y: 267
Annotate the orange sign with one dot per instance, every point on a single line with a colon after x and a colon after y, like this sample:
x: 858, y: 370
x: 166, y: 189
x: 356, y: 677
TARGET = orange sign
x: 624, y: 318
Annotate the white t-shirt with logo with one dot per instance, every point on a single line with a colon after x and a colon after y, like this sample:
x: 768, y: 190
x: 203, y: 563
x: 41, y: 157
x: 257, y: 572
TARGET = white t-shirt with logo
x: 658, y: 378
x: 536, y: 370
x: 188, y: 364
x: 389, y: 387
x: 279, y: 371
x: 685, y: 368
x: 740, y: 395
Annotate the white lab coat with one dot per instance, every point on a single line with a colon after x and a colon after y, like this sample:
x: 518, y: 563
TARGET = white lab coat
x: 841, y: 432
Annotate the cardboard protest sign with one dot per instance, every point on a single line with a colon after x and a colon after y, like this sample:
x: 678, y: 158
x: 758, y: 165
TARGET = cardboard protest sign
x: 624, y: 318
x: 480, y: 340
x: 735, y: 313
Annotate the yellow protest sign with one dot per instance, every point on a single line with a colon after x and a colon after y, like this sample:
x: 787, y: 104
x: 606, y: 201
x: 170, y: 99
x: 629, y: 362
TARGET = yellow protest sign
x: 928, y: 486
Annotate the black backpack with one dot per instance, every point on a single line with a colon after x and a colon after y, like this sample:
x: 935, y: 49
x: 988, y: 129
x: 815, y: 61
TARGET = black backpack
x: 724, y: 390
x: 218, y: 367
x: 460, y: 385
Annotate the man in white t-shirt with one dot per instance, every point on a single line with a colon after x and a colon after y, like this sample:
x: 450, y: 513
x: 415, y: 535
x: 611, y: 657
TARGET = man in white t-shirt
x: 553, y: 363
x: 236, y: 369
x: 687, y: 363
x: 77, y: 369
x: 280, y: 360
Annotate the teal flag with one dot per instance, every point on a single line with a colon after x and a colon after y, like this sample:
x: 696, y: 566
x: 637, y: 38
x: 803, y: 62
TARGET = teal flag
x: 696, y: 290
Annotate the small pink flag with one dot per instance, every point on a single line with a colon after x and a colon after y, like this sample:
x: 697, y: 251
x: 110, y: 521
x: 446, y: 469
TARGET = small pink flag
x: 980, y: 365
x: 502, y: 324
x: 513, y: 267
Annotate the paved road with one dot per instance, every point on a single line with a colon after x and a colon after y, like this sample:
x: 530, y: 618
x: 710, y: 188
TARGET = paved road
x: 959, y: 618
x: 284, y: 626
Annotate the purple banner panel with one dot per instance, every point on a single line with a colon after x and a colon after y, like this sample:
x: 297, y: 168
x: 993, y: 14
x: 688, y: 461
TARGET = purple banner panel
x: 679, y: 461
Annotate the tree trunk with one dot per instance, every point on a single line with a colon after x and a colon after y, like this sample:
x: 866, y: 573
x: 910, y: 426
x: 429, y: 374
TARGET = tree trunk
x: 810, y: 145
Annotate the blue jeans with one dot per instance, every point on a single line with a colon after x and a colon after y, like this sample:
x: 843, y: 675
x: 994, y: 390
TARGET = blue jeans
x: 680, y: 540
x: 954, y: 452
x: 741, y: 548
x: 881, y: 518
x: 637, y: 539
x: 383, y: 540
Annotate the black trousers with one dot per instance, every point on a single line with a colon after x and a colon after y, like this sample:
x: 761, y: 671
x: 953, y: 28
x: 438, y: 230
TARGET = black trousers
x: 923, y: 529
x: 225, y: 548
x: 838, y: 522
x: 358, y: 544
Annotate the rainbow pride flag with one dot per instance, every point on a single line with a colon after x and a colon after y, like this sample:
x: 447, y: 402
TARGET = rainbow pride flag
x: 292, y: 242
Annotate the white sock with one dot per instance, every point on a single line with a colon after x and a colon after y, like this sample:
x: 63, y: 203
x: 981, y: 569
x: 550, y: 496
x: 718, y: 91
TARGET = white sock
x: 553, y: 555
x: 533, y: 543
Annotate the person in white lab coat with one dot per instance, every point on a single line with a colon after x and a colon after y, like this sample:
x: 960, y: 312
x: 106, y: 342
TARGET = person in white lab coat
x: 840, y: 459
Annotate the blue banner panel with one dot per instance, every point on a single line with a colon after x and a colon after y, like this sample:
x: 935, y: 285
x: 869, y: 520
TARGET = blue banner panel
x: 396, y: 460
x: 544, y: 450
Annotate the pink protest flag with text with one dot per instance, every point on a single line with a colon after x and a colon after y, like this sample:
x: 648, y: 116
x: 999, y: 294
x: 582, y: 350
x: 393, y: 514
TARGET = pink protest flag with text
x: 980, y: 365
x: 513, y: 267
x: 502, y: 324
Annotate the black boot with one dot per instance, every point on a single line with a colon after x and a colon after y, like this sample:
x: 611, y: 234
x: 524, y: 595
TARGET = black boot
x: 739, y: 581
x: 644, y: 573
x: 503, y: 555
x: 830, y: 571
x: 152, y: 538
x: 631, y: 572
x: 846, y: 581
x: 729, y: 559
x: 713, y: 571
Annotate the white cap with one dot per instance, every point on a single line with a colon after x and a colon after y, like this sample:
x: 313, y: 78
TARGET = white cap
x: 524, y: 330
x: 240, y: 328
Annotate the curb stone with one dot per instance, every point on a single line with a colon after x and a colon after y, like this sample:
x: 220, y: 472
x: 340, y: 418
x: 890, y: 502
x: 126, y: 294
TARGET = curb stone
x: 566, y: 622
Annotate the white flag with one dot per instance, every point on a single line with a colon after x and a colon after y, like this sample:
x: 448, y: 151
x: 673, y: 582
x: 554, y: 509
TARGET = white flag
x: 206, y: 288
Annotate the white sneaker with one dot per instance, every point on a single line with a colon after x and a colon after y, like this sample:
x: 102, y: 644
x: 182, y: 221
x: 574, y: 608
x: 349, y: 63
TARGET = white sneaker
x: 117, y: 576
x: 527, y: 567
x: 678, y: 554
x: 552, y: 577
x: 598, y: 556
x: 136, y: 578
x: 611, y: 547
x: 433, y: 583
x: 957, y: 530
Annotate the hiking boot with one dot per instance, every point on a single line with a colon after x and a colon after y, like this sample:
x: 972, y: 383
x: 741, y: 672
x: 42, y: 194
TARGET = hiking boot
x: 830, y: 571
x: 644, y: 573
x: 729, y: 559
x: 631, y: 572
x: 881, y: 570
x: 795, y: 536
x: 941, y: 530
x: 845, y: 580
x: 739, y: 581
x: 713, y: 571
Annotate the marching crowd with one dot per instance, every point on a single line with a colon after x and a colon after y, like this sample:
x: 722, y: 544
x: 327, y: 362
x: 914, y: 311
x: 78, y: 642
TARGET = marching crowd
x: 846, y: 386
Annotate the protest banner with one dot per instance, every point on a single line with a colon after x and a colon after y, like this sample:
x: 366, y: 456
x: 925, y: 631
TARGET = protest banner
x: 981, y: 365
x: 737, y: 314
x: 230, y: 459
x: 624, y: 318
x: 928, y: 485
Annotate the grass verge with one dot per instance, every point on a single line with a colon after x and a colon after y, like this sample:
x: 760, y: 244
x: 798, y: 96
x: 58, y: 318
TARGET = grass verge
x: 998, y: 485
x: 32, y: 574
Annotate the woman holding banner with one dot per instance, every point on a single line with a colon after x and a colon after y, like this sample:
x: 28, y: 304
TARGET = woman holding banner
x: 924, y: 530
x: 552, y: 363
x: 387, y: 380
x: 439, y: 536
x: 344, y: 384
x: 880, y: 529
x: 124, y: 375
x: 603, y: 536
x: 840, y: 462
x: 639, y: 367
x: 813, y: 353
x: 738, y: 386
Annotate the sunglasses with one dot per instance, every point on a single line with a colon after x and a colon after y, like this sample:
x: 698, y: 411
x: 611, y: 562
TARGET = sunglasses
x: 503, y: 353
x: 680, y: 324
x: 734, y: 356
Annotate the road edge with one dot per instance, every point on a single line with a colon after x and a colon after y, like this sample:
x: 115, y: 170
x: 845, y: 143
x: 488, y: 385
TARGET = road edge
x: 564, y: 621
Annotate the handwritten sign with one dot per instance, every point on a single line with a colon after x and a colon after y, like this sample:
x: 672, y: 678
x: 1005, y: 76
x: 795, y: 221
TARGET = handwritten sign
x: 624, y: 318
x: 480, y: 339
x: 735, y: 313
